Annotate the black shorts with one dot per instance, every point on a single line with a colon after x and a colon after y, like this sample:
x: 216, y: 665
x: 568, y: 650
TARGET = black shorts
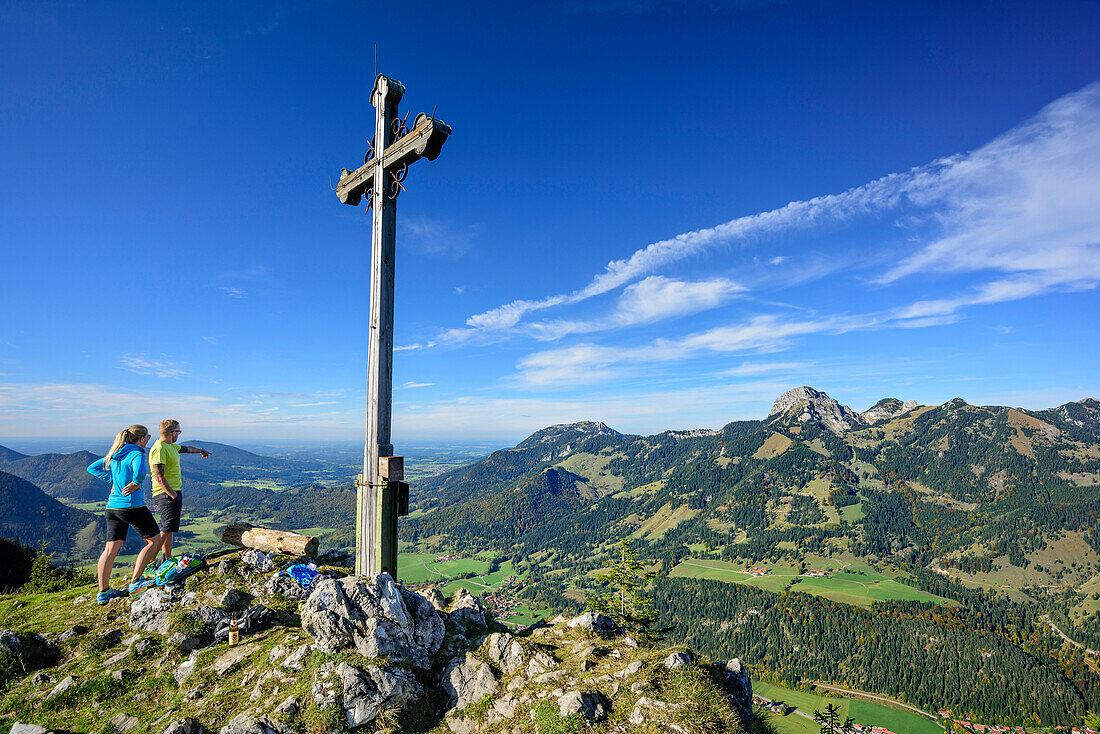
x: 169, y: 511
x: 120, y: 520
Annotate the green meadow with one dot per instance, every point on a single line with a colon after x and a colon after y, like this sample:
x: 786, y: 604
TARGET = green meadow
x: 846, y: 586
x: 863, y: 712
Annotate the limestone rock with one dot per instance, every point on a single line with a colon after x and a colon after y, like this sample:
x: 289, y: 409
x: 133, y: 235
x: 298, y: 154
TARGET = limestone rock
x: 467, y: 681
x: 505, y: 651
x: 286, y: 586
x: 186, y: 668
x: 459, y: 725
x: 290, y: 706
x: 75, y: 631
x: 379, y: 618
x: 886, y: 409
x: 367, y: 692
x: 235, y: 655
x: 18, y: 728
x: 248, y: 724
x: 110, y: 638
x: 676, y: 659
x: 593, y: 622
x: 805, y: 404
x: 540, y: 663
x: 295, y: 660
x: 66, y: 683
x: 503, y: 708
x: 144, y: 645
x: 632, y: 669
x: 124, y: 722
x: 592, y: 705
x: 255, y: 561
x: 467, y: 610
x: 186, y: 725
x: 41, y: 679
x: 434, y: 597
x: 225, y: 567
x: 324, y: 688
x: 150, y: 612
x: 231, y: 598
x: 115, y: 659
x: 739, y: 688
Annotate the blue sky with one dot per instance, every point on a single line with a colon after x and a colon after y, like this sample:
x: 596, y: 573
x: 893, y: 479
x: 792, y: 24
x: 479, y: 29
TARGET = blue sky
x: 658, y: 215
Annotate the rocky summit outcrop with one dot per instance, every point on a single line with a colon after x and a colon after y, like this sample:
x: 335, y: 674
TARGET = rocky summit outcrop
x: 804, y: 404
x: 376, y: 618
x: 886, y: 409
x: 355, y: 654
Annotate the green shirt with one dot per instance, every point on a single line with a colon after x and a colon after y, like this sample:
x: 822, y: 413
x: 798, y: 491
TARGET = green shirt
x: 169, y: 455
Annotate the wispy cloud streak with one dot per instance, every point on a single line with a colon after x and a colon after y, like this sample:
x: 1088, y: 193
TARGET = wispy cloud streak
x: 1023, y: 204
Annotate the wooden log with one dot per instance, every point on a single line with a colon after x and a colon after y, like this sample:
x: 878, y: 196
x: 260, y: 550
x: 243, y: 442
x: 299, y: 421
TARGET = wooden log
x: 266, y: 539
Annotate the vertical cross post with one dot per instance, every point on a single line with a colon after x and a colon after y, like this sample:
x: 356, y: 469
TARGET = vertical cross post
x: 368, y: 523
x: 381, y: 493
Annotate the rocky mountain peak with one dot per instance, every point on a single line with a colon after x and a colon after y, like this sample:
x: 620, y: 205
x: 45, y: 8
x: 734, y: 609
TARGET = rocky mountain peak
x: 570, y: 430
x: 886, y: 409
x: 805, y: 404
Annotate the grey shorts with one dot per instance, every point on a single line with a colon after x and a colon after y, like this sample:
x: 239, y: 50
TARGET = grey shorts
x: 169, y: 511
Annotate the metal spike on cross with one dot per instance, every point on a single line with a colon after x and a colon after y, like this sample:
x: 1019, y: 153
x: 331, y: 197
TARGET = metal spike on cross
x: 381, y: 494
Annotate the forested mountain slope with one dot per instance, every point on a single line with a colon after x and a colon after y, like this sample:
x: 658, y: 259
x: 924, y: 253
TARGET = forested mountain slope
x: 1002, y: 499
x: 32, y: 517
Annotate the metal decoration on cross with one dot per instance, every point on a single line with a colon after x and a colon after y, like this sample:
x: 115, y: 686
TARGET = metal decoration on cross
x: 381, y: 493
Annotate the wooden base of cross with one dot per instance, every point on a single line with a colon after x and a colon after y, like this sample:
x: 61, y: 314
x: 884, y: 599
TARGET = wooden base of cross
x: 393, y: 150
x: 390, y: 499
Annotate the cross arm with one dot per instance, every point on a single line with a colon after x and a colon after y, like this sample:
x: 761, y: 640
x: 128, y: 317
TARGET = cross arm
x: 425, y: 140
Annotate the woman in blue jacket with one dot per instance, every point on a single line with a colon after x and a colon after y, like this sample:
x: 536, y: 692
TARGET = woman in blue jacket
x: 125, y: 467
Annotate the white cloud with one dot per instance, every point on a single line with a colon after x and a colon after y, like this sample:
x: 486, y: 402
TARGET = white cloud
x: 761, y: 368
x: 1024, y: 204
x: 142, y: 365
x: 648, y: 301
x: 589, y: 363
x: 778, y: 260
x: 233, y: 292
x: 411, y: 385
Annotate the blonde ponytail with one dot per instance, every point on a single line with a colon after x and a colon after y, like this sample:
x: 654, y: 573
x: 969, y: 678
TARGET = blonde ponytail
x: 133, y: 434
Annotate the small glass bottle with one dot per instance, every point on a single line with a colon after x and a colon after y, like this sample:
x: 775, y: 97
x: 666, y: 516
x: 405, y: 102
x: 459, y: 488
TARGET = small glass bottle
x: 234, y: 632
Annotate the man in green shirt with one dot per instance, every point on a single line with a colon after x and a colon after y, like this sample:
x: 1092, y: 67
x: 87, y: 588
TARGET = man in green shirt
x: 164, y: 460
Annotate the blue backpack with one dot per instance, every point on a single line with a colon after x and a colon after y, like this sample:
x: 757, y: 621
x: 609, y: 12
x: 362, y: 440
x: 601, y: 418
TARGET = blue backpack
x: 178, y: 568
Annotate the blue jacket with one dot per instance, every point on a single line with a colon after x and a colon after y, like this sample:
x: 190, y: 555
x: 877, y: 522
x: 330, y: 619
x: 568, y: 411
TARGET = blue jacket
x: 128, y: 465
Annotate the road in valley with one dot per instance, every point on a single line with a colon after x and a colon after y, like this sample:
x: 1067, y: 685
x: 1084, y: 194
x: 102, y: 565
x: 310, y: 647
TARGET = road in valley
x: 1065, y: 637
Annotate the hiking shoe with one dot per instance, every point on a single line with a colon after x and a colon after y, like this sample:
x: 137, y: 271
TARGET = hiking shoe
x: 141, y: 584
x: 105, y: 596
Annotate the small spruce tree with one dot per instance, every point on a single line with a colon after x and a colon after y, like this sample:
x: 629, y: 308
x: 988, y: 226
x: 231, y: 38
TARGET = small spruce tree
x: 624, y: 597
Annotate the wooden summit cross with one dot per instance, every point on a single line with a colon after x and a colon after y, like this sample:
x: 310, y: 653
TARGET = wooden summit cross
x: 381, y: 495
